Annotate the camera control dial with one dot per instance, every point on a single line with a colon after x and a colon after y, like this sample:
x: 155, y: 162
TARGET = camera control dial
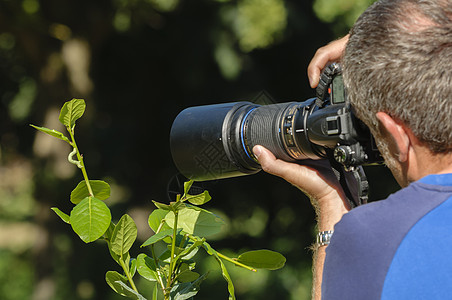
x: 344, y: 155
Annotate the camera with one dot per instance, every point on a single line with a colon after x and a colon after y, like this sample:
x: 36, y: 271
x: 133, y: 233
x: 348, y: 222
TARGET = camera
x: 216, y: 141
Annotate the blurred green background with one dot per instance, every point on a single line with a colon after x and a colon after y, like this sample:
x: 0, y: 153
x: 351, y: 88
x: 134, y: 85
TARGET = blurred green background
x: 137, y: 63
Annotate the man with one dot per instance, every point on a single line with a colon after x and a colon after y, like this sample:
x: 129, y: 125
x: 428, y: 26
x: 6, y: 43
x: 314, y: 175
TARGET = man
x: 397, y: 69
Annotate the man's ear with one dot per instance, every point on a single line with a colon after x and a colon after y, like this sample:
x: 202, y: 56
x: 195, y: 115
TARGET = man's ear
x: 398, y: 132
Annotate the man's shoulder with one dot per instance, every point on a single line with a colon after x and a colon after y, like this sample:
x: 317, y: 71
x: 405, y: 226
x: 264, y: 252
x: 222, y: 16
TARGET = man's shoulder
x: 428, y: 245
x: 366, y: 239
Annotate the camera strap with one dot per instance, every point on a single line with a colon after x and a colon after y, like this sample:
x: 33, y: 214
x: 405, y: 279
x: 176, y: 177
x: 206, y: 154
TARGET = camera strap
x: 324, y: 82
x: 353, y: 182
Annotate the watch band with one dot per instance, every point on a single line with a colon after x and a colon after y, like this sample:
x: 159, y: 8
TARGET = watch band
x: 323, y: 238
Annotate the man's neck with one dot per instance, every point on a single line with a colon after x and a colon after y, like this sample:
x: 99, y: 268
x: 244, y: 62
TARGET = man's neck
x: 428, y: 163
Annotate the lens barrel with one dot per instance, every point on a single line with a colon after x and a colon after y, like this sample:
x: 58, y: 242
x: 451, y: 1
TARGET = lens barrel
x: 216, y: 141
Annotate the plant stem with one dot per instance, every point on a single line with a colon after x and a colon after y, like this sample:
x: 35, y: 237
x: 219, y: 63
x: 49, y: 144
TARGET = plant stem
x: 154, y: 256
x: 80, y: 159
x: 172, y: 265
x: 160, y: 280
x: 156, y: 260
x: 235, y: 262
x: 160, y: 226
x: 126, y: 270
x: 173, y: 243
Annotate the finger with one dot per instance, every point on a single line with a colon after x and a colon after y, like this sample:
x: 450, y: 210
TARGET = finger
x: 272, y: 165
x: 329, y: 53
x: 318, y: 62
x: 304, y: 178
x: 322, y: 187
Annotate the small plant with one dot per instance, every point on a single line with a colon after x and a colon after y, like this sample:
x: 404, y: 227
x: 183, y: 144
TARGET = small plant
x: 182, y: 225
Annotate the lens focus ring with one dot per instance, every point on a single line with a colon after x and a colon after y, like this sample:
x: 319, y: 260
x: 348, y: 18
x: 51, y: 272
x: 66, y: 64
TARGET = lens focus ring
x: 263, y: 127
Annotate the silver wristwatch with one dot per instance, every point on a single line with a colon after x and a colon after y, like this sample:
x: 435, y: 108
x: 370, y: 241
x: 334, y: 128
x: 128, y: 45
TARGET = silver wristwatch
x: 323, y: 237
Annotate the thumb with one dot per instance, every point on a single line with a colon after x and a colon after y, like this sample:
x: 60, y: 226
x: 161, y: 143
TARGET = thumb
x: 265, y: 157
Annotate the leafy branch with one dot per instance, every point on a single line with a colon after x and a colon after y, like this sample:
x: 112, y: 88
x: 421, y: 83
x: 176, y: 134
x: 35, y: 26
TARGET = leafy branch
x: 182, y: 225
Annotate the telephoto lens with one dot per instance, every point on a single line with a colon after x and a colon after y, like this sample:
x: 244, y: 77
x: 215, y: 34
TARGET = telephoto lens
x: 216, y: 141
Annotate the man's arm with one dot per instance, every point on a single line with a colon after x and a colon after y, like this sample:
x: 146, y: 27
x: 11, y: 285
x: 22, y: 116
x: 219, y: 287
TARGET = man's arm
x: 317, y: 180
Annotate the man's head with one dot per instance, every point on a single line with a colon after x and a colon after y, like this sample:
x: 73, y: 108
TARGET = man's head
x: 399, y: 61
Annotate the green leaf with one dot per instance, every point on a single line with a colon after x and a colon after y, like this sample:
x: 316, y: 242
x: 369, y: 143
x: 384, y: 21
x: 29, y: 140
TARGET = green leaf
x: 190, y: 250
x: 228, y: 279
x: 101, y: 191
x: 115, y: 256
x: 62, y: 215
x: 133, y: 267
x: 52, y: 132
x: 161, y: 205
x: 263, y: 259
x: 173, y: 206
x: 177, y: 206
x: 187, y: 186
x: 198, y: 221
x: 109, y: 231
x: 119, y: 284
x: 187, y: 276
x: 155, y: 291
x: 113, y: 276
x: 122, y: 261
x: 184, y: 267
x: 184, y: 291
x: 146, y: 267
x: 71, y: 112
x: 156, y: 217
x: 90, y: 219
x: 165, y: 256
x: 224, y: 271
x: 199, y: 199
x: 124, y: 235
x: 129, y: 292
x: 159, y: 236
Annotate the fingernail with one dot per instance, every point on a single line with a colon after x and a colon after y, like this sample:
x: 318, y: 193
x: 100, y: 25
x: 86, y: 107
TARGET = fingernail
x: 257, y: 150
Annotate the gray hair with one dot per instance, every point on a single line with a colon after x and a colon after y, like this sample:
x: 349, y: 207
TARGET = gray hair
x: 399, y: 60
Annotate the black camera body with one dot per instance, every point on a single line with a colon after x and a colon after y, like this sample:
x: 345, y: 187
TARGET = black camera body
x: 216, y: 141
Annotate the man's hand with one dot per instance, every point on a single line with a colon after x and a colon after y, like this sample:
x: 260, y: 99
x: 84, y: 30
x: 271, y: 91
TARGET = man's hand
x: 316, y: 179
x: 324, y: 55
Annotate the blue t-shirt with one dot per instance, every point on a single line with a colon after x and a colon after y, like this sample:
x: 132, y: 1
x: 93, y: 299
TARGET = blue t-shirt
x: 398, y: 248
